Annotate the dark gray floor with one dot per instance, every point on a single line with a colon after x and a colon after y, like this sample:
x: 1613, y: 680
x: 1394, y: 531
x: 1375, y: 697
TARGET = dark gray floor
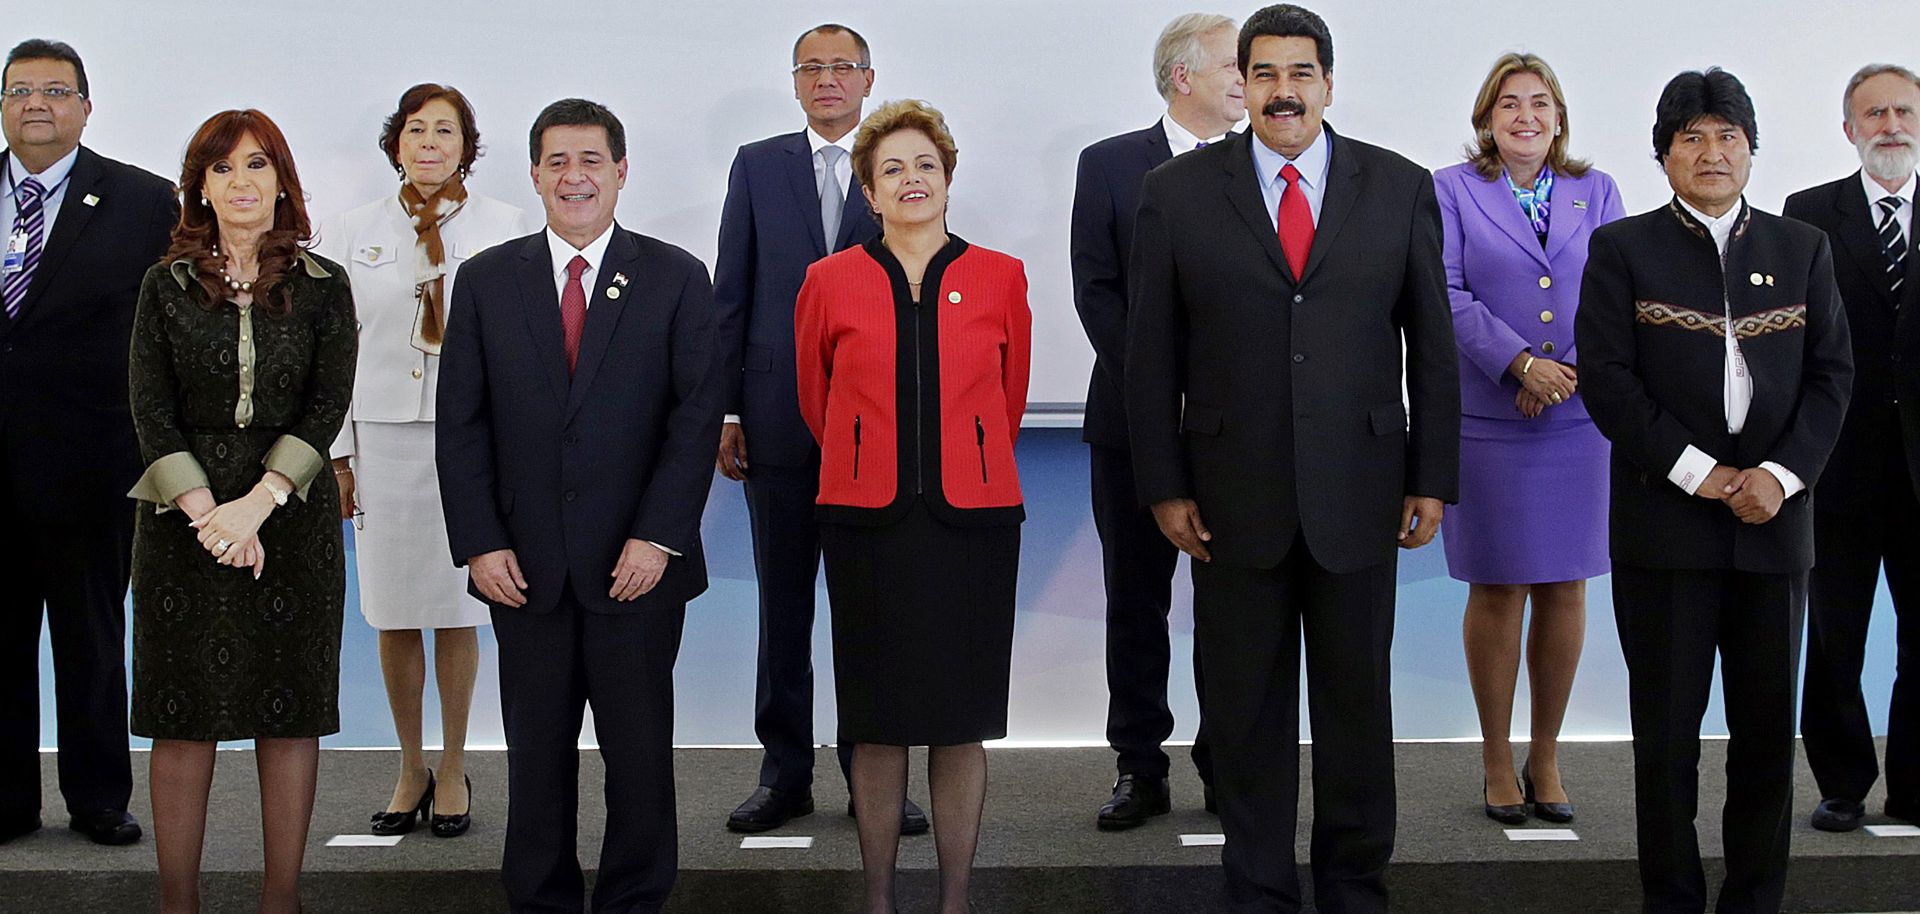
x: 1039, y: 851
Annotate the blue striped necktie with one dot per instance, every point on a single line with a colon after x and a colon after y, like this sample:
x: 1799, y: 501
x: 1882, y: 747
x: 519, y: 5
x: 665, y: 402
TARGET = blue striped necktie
x: 29, y: 221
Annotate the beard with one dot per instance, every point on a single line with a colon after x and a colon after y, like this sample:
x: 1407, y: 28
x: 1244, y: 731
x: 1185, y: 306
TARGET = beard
x: 1889, y: 163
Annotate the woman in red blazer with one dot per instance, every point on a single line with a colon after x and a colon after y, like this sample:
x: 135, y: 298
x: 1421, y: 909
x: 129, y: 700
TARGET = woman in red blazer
x: 913, y: 353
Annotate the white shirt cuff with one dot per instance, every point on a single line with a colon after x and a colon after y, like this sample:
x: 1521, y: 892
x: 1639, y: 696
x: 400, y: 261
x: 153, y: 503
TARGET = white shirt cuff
x: 664, y: 549
x: 1789, y: 481
x: 730, y: 419
x: 1691, y: 469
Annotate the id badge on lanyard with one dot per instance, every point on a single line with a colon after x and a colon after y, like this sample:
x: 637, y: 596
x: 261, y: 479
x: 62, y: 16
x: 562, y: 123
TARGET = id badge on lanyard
x: 16, y: 256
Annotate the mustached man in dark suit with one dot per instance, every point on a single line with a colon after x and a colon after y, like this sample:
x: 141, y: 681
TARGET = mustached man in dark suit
x: 578, y: 416
x: 1713, y: 354
x: 1276, y: 280
x: 80, y: 231
x: 1870, y: 493
x: 1195, y: 69
x: 791, y: 200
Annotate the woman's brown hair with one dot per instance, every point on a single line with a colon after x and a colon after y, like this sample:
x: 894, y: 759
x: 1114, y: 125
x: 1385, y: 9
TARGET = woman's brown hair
x: 197, y: 232
x: 1482, y: 152
x: 416, y: 98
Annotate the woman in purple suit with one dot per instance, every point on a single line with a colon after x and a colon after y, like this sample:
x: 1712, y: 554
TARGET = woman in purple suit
x: 1532, y: 518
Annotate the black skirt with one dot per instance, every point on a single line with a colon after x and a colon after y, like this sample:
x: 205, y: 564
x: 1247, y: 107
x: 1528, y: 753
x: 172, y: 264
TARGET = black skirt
x: 922, y: 629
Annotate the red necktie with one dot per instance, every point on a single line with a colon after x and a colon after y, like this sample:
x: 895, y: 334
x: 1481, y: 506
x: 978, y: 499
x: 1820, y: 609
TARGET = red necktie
x: 1296, y: 222
x: 573, y: 309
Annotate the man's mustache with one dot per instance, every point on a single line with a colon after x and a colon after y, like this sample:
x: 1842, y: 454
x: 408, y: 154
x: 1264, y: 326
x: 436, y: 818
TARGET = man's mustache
x: 1280, y: 106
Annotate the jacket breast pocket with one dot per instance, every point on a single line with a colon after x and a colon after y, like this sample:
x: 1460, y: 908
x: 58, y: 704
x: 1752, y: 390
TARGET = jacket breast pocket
x: 376, y: 254
x: 1388, y: 419
x: 1200, y: 419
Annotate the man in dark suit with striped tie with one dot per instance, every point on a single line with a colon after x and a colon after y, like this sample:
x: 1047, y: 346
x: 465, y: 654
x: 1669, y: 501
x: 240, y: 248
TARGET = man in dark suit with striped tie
x: 80, y: 230
x: 791, y: 200
x: 1865, y: 503
x: 1195, y: 69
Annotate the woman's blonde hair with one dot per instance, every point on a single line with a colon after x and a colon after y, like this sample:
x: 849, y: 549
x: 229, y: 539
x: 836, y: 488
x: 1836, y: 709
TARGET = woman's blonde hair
x: 1484, y: 154
x: 893, y: 117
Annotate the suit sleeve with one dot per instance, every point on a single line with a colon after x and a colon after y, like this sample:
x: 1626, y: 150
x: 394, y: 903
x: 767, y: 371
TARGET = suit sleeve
x: 1611, y: 209
x: 1486, y: 340
x: 1433, y: 369
x: 1155, y: 377
x: 733, y: 284
x: 1017, y: 361
x: 813, y: 353
x: 676, y: 495
x: 332, y: 242
x: 172, y: 470
x: 299, y: 454
x: 463, y: 434
x: 1826, y: 376
x: 1638, y: 426
x: 1099, y: 283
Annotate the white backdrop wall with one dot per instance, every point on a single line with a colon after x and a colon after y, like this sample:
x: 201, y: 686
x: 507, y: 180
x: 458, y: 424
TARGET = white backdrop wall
x: 1025, y: 85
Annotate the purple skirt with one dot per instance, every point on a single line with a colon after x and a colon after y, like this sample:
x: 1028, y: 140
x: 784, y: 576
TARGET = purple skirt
x: 1533, y: 502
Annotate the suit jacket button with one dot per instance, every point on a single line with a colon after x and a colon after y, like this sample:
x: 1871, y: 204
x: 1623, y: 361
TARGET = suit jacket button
x: 416, y: 374
x: 1299, y: 298
x: 1546, y: 282
x: 1547, y: 346
x: 569, y: 495
x: 1546, y: 317
x: 1298, y: 358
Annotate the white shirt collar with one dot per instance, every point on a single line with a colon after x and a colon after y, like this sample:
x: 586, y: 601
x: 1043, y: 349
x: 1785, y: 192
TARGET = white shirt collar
x: 815, y: 142
x: 1875, y: 191
x: 49, y: 179
x: 1721, y: 228
x: 1180, y: 139
x: 1312, y: 161
x: 563, y: 253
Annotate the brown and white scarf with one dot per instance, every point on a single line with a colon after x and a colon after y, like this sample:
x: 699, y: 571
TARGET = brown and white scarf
x: 430, y: 258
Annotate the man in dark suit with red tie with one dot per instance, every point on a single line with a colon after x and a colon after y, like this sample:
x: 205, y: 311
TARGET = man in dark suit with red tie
x: 1865, y: 505
x: 791, y: 200
x: 80, y: 231
x: 578, y: 417
x: 1197, y: 74
x: 1276, y: 280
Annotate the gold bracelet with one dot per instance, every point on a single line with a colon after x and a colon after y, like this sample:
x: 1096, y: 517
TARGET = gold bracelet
x: 1527, y: 367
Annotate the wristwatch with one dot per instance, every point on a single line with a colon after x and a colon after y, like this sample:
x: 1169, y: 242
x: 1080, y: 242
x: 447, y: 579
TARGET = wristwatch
x: 279, y: 494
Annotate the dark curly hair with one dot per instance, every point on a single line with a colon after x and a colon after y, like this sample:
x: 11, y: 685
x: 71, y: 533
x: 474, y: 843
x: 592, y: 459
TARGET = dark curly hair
x: 416, y: 98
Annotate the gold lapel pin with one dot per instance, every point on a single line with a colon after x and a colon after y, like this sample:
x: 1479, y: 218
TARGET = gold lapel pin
x: 613, y: 292
x: 1769, y: 279
x: 1756, y: 279
x: 90, y: 200
x: 954, y: 297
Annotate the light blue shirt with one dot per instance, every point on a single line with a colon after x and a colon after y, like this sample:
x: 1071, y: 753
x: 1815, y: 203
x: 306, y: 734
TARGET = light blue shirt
x: 53, y: 179
x: 1312, y: 163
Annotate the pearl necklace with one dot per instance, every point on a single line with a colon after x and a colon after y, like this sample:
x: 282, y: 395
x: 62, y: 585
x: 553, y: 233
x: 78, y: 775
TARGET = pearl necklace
x: 233, y: 284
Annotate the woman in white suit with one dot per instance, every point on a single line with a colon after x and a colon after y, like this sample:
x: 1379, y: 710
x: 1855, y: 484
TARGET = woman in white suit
x: 402, y: 254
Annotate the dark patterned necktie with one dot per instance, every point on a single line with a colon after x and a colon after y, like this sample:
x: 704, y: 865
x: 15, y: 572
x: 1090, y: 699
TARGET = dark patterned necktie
x: 1893, y: 242
x: 29, y: 221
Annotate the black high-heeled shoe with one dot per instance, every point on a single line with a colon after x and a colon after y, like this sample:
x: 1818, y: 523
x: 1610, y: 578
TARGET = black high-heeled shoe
x: 1505, y: 814
x: 1557, y: 813
x: 399, y: 823
x: 455, y: 826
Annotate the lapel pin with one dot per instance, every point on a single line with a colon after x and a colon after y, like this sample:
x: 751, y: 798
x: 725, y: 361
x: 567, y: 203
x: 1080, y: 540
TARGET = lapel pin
x: 613, y: 292
x: 1769, y: 279
x: 1756, y: 279
x: 371, y: 253
x: 90, y: 200
x: 954, y: 297
x: 620, y: 279
x: 1579, y: 204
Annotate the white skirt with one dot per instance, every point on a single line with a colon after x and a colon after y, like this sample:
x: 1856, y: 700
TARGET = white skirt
x: 407, y: 576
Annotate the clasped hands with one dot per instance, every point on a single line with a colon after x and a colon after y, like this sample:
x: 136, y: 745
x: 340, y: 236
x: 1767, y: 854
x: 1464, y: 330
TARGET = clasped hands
x: 1753, y: 494
x: 1179, y: 520
x: 230, y: 532
x: 497, y: 574
x: 1543, y: 383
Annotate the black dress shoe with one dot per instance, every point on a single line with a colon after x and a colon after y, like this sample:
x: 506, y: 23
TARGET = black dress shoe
x: 1135, y: 800
x: 913, y: 820
x: 1838, y: 815
x: 19, y: 828
x: 111, y: 827
x: 402, y: 822
x: 1557, y: 813
x: 1506, y: 813
x: 769, y: 809
x: 1909, y: 812
x: 456, y: 825
x: 1206, y: 798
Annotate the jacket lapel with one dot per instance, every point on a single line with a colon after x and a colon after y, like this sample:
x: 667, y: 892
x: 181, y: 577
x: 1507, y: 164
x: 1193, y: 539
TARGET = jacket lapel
x: 540, y: 305
x: 1570, y: 205
x: 1861, y: 242
x: 1496, y: 202
x: 75, y: 212
x: 603, y: 314
x: 1157, y: 151
x: 854, y: 215
x: 1243, y: 189
x: 1343, y: 189
x: 806, y: 195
